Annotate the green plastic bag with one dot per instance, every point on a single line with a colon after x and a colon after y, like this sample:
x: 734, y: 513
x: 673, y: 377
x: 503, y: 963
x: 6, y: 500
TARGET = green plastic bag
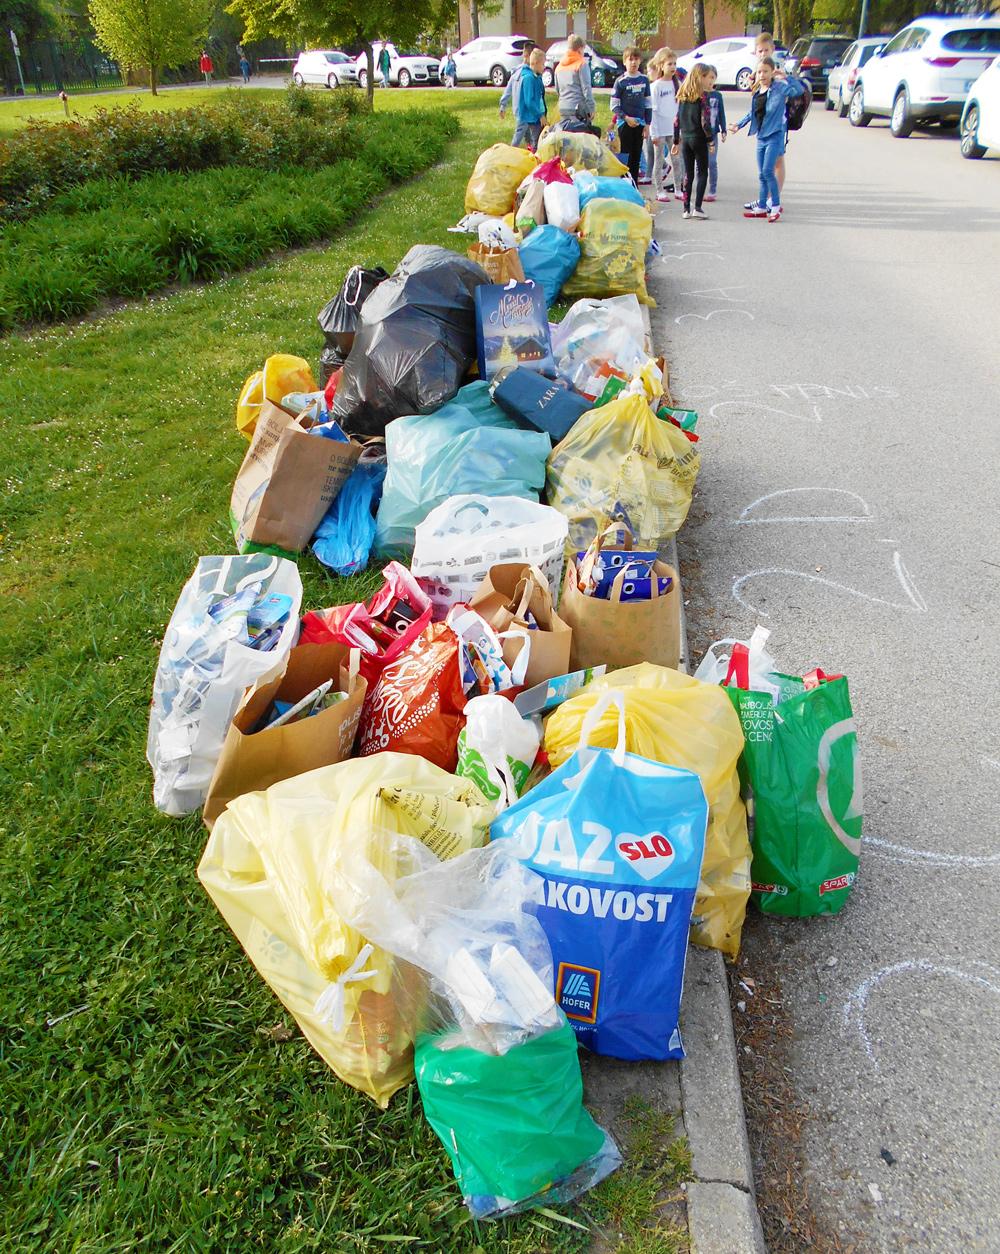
x: 513, y: 1124
x: 801, y: 763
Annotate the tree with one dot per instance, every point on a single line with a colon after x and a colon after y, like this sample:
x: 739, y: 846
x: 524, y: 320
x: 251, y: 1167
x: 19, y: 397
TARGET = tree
x: 636, y: 16
x: 150, y: 35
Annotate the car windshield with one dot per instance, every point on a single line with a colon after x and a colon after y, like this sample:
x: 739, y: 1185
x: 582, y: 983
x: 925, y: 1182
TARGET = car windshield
x: 336, y: 57
x: 868, y: 52
x: 973, y: 39
x: 828, y: 47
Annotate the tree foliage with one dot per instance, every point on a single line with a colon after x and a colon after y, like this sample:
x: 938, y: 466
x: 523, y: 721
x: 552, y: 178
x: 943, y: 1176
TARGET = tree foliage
x: 150, y: 34
x: 27, y: 18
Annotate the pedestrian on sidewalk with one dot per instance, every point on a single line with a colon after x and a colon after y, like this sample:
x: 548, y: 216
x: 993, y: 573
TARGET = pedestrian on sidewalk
x: 206, y: 66
x: 693, y: 134
x: 664, y: 89
x: 509, y: 98
x: 632, y: 110
x: 768, y: 120
x: 572, y: 80
x: 449, y: 71
x: 384, y: 63
x: 244, y: 68
x: 718, y: 108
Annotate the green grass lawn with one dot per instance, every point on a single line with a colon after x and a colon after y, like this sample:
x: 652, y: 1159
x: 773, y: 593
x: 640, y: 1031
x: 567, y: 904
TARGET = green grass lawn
x: 149, y: 1103
x: 17, y: 113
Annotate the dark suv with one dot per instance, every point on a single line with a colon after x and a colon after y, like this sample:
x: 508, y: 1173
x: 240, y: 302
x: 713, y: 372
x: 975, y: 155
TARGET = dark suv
x: 814, y: 56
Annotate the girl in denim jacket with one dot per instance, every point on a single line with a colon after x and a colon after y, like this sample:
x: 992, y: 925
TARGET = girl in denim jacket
x: 768, y: 121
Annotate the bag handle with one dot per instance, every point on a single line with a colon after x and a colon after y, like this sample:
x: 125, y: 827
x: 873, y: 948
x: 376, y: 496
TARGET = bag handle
x: 619, y: 583
x: 739, y: 667
x: 817, y: 677
x: 594, y: 715
x: 605, y: 531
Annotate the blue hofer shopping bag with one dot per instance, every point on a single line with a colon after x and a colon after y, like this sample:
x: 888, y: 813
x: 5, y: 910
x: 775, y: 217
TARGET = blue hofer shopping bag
x: 618, y: 840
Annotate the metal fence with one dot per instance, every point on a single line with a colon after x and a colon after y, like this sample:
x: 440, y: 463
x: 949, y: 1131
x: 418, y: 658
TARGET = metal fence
x: 50, y: 66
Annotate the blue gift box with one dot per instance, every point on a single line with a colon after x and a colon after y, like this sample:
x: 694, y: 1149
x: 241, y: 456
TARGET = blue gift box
x: 512, y: 328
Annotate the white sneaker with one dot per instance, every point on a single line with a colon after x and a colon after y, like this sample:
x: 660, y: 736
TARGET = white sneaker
x: 775, y: 214
x: 754, y: 210
x: 686, y: 213
x: 699, y: 213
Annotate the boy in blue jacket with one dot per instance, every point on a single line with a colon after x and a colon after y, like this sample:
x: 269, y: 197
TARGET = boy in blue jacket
x: 768, y: 121
x: 632, y: 110
x: 529, y: 101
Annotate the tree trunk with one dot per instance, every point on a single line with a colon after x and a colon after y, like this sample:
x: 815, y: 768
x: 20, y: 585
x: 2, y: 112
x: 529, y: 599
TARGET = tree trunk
x: 474, y: 17
x: 698, y: 16
x: 370, y: 58
x: 152, y: 80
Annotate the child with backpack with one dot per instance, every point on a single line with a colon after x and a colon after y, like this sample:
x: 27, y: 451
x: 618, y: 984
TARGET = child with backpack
x: 718, y: 110
x: 768, y: 120
x: 632, y: 110
x: 693, y: 128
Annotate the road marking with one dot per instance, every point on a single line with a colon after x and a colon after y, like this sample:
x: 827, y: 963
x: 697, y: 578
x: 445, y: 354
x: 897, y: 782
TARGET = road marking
x: 928, y: 857
x: 720, y: 293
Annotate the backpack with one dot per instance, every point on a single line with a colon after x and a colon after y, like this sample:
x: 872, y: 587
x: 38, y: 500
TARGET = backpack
x: 797, y: 108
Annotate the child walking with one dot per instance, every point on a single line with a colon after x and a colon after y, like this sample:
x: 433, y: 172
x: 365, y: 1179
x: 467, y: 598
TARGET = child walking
x: 664, y: 91
x: 632, y: 110
x: 529, y: 103
x: 768, y: 121
x: 693, y: 131
x: 718, y: 110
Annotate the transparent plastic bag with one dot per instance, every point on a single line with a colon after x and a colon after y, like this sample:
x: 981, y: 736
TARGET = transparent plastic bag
x: 595, y: 333
x: 203, y: 671
x: 717, y: 664
x: 581, y: 150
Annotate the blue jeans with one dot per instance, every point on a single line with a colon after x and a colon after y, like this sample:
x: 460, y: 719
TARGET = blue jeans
x: 713, y: 168
x: 768, y: 152
x: 385, y: 77
x: 526, y: 135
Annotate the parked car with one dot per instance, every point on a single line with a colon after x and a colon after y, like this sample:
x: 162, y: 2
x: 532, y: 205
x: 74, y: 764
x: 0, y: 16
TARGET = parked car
x: 490, y: 59
x: 734, y: 60
x: 843, y: 77
x: 405, y: 68
x: 605, y: 63
x: 814, y: 56
x: 981, y: 115
x: 925, y: 73
x: 329, y: 67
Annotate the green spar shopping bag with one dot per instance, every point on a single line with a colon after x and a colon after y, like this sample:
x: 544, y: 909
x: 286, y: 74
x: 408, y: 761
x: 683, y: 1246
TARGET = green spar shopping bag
x: 801, y: 762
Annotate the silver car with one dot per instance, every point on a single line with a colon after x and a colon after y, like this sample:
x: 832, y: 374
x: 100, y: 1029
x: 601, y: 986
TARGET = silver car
x: 331, y: 68
x: 490, y: 59
x: 844, y: 76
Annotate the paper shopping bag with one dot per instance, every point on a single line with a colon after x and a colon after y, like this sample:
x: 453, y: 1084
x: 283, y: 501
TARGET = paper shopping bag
x: 254, y: 760
x: 503, y: 265
x: 621, y: 633
x: 286, y: 483
x: 510, y: 592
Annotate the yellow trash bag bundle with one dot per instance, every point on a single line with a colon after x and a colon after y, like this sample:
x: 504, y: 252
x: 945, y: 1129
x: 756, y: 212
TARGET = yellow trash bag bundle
x: 582, y: 150
x: 282, y: 374
x: 269, y: 864
x: 614, y: 240
x: 679, y: 720
x: 496, y: 178
x: 621, y: 457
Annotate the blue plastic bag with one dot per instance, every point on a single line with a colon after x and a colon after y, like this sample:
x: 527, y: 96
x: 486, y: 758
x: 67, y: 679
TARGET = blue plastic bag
x: 549, y: 257
x: 592, y: 186
x: 343, y: 540
x: 467, y: 446
x: 619, y: 841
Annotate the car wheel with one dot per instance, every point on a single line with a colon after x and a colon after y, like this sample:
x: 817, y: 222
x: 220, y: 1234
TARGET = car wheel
x: 298, y: 80
x: 498, y: 76
x: 828, y: 102
x: 405, y: 79
x: 744, y: 80
x: 856, y: 110
x: 971, y: 147
x: 548, y: 78
x: 843, y: 106
x: 333, y: 81
x: 597, y: 78
x: 362, y: 79
x: 901, y: 124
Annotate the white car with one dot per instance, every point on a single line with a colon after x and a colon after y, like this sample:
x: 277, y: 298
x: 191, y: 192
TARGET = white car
x: 981, y: 115
x: 924, y: 73
x: 331, y: 68
x: 734, y: 60
x: 490, y: 59
x: 405, y: 68
x: 843, y: 77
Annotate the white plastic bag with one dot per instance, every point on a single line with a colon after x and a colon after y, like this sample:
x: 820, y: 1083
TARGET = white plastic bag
x: 596, y: 332
x: 495, y: 233
x: 460, y: 540
x: 203, y: 672
x: 562, y: 205
x: 714, y: 666
x: 496, y: 748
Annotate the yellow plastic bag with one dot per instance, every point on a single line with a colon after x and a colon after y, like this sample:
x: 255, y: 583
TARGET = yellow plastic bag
x: 622, y: 457
x: 496, y: 178
x: 267, y: 867
x: 582, y: 150
x: 614, y: 240
x: 679, y: 720
x: 282, y: 374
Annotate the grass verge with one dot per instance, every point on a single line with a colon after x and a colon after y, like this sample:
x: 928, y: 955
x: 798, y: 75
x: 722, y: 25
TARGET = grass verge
x: 14, y: 114
x: 155, y: 1098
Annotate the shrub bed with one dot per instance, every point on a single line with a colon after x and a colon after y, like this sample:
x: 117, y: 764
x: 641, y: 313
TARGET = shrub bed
x: 296, y: 127
x: 123, y: 237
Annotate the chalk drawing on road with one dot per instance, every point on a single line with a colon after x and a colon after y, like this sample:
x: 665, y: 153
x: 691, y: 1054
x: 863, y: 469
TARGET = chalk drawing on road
x: 720, y: 293
x: 927, y: 857
x: 994, y: 762
x: 856, y: 1007
x: 861, y: 514
x: 823, y: 391
x: 760, y: 406
x: 914, y: 601
x: 712, y: 314
x: 684, y: 256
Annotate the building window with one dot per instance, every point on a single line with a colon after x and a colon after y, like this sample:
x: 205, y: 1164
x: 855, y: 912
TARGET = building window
x: 555, y: 23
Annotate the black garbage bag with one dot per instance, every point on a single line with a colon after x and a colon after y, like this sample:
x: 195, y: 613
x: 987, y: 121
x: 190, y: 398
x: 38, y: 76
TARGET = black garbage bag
x: 415, y: 341
x: 338, y: 319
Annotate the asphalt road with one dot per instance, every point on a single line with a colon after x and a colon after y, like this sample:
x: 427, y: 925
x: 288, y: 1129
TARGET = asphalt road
x: 846, y: 366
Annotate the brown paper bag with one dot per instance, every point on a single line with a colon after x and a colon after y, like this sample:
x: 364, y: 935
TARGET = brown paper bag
x: 501, y: 264
x: 531, y: 211
x: 251, y: 761
x: 507, y: 593
x: 286, y: 483
x: 621, y: 633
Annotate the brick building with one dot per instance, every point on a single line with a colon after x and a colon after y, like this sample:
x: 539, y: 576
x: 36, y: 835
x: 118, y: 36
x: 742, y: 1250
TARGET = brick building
x: 545, y: 24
